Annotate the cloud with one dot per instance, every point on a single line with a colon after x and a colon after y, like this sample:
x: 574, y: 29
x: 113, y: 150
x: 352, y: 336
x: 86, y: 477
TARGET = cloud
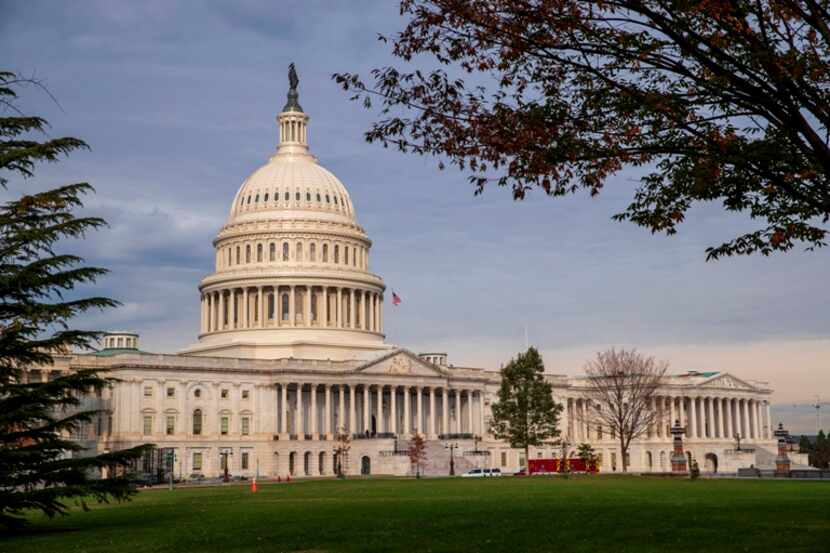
x: 178, y: 104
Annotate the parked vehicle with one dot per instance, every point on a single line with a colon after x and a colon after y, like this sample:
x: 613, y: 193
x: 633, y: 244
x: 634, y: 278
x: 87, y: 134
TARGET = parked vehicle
x: 481, y: 473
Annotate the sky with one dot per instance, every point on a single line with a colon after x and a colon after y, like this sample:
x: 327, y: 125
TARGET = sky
x: 177, y: 101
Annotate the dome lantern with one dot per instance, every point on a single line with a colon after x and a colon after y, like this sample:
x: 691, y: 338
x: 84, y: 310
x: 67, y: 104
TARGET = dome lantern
x: 292, y: 121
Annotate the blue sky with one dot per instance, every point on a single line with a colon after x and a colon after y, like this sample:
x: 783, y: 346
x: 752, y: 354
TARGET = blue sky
x: 178, y: 99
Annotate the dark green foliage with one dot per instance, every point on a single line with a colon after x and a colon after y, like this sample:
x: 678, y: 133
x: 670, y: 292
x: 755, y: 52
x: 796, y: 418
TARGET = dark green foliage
x: 804, y: 445
x: 525, y: 414
x: 37, y: 301
x: 819, y: 453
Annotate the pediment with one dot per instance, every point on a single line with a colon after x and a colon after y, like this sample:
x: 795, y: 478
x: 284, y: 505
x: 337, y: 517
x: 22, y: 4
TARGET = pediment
x: 727, y: 381
x: 401, y: 363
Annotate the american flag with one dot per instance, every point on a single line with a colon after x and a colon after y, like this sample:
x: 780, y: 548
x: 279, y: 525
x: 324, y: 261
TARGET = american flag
x: 396, y: 299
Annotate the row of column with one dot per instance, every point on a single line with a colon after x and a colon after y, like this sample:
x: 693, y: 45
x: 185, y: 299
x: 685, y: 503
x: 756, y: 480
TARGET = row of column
x: 324, y: 409
x: 292, y: 305
x: 703, y: 417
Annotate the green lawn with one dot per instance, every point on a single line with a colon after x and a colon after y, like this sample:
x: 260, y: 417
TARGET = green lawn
x: 508, y: 514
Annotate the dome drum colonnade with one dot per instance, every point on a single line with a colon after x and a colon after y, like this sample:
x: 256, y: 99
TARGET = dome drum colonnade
x: 293, y: 305
x: 703, y: 417
x: 311, y: 411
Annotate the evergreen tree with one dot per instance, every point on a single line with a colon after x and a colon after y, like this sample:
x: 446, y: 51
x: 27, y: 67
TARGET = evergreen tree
x: 38, y: 470
x: 821, y: 451
x: 525, y: 414
x: 804, y: 445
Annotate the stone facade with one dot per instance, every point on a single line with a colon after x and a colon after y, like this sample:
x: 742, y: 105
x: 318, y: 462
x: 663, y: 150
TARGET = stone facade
x: 291, y: 349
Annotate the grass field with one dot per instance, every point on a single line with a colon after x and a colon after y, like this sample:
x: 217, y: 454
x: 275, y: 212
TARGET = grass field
x: 509, y: 514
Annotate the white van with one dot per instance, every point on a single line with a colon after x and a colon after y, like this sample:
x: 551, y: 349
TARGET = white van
x: 481, y: 473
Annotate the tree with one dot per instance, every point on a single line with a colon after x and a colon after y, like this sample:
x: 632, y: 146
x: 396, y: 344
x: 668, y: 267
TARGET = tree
x: 620, y: 387
x: 417, y: 453
x: 525, y: 414
x: 820, y: 457
x: 804, y: 445
x: 585, y: 451
x: 38, y: 300
x: 710, y: 101
x: 342, y: 445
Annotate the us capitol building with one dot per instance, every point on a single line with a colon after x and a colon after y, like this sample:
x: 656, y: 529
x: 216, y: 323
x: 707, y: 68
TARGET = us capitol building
x: 291, y: 349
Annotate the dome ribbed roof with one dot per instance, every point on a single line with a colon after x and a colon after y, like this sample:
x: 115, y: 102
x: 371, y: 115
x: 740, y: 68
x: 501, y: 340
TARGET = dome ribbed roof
x: 289, y: 184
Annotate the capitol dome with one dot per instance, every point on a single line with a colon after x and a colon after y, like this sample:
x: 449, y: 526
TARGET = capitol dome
x: 291, y: 274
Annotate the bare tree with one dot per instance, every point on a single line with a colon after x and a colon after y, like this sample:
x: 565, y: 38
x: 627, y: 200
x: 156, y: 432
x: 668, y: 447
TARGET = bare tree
x: 620, y: 390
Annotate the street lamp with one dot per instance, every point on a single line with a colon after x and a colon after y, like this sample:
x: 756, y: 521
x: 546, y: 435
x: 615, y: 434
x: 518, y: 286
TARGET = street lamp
x: 452, y: 448
x: 223, y: 455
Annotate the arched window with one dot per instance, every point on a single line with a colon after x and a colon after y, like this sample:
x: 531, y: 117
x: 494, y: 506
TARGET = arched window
x: 335, y: 200
x: 285, y: 251
x: 328, y: 199
x: 312, y: 252
x: 318, y: 197
x: 336, y: 253
x: 272, y: 252
x: 265, y: 199
x: 237, y: 256
x: 307, y: 196
x: 284, y: 307
x: 270, y: 307
x: 345, y: 255
x: 325, y: 253
x: 297, y: 195
x: 287, y: 196
x: 259, y: 253
x: 197, y: 422
x: 256, y: 199
x: 229, y: 257
x: 249, y: 199
x: 247, y: 253
x: 299, y: 254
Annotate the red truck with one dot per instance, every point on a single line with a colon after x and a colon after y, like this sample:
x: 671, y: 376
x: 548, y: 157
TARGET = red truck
x: 552, y: 466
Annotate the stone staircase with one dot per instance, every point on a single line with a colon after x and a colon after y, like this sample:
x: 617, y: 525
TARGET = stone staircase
x: 437, y: 461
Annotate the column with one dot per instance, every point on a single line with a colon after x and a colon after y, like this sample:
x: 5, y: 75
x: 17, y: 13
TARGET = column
x: 370, y: 311
x: 470, y: 411
x: 457, y: 411
x: 407, y: 423
x: 209, y: 305
x: 445, y: 413
x: 352, y: 318
x: 745, y: 417
x: 260, y: 306
x: 379, y: 416
x: 393, y: 408
x: 710, y: 428
x: 759, y: 429
x: 419, y: 412
x: 380, y: 314
x: 327, y: 419
x: 730, y: 431
x: 222, y: 310
x: 307, y: 309
x: 366, y: 426
x: 753, y: 414
x: 352, y: 409
x: 314, y: 427
x: 244, y: 308
x: 672, y: 412
x: 324, y: 321
x: 292, y: 319
x: 299, y: 421
x: 769, y: 422
x: 339, y: 310
x: 564, y: 420
x: 341, y: 412
x: 431, y: 432
x: 284, y: 410
x: 231, y: 308
x: 693, y: 417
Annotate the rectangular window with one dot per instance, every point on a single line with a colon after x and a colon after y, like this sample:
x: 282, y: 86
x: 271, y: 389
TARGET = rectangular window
x: 148, y: 391
x: 504, y: 458
x: 197, y: 461
x: 246, y: 394
x: 245, y: 460
x: 225, y: 424
x: 148, y: 425
x: 171, y: 392
x: 170, y: 427
x: 246, y: 426
x: 224, y: 393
